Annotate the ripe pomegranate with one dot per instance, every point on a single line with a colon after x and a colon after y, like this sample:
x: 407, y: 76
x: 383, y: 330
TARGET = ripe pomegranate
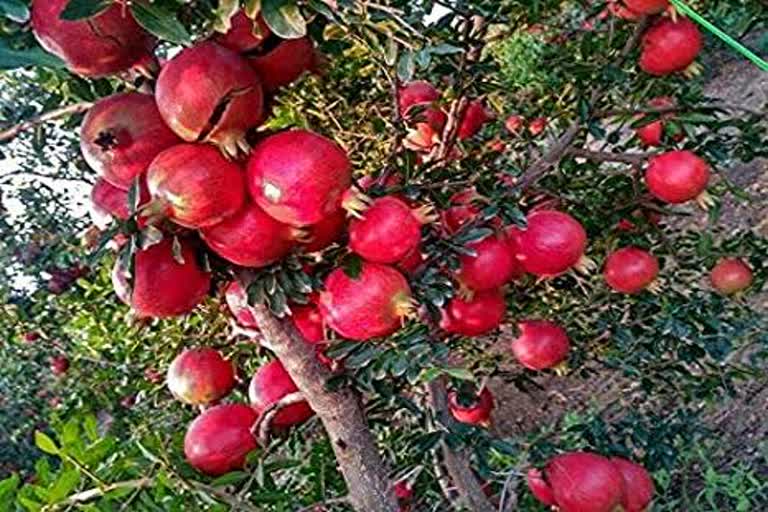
x: 462, y: 211
x: 194, y: 186
x: 31, y: 337
x: 553, y: 243
x: 638, y: 485
x: 109, y: 201
x: 209, y: 93
x: 200, y: 376
x: 102, y: 45
x: 326, y: 232
x: 298, y: 177
x: 677, y: 176
x: 537, y: 126
x: 219, y: 440
x: 284, y: 63
x: 481, y: 314
x: 122, y: 134
x: 475, y: 116
x: 514, y: 124
x: 237, y: 300
x: 651, y: 134
x: 541, y: 344
x: 731, y: 275
x: 244, y: 34
x: 670, y: 46
x: 419, y: 92
x: 163, y: 287
x: 630, y: 270
x: 411, y: 261
x: 269, y: 385
x: 493, y: 265
x: 59, y: 365
x: 539, y: 487
x: 647, y: 6
x: 308, y: 320
x: 373, y: 304
x: 616, y: 8
x: 404, y: 495
x: 477, y: 413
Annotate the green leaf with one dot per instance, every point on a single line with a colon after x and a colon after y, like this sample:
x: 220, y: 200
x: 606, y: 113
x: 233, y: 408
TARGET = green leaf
x: 284, y: 18
x: 459, y: 373
x: 352, y: 266
x: 65, y: 484
x: 45, y: 443
x: 406, y: 66
x: 444, y: 49
x: 81, y: 9
x: 160, y: 22
x: 15, y: 10
x: 233, y: 477
x: 13, y: 59
x: 8, y: 487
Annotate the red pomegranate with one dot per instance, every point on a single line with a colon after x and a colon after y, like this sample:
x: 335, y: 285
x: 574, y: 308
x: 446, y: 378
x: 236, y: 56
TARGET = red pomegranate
x: 461, y: 211
x: 411, y: 261
x: 630, y: 270
x: 31, y: 337
x: 553, y: 243
x: 269, y: 385
x: 493, y: 265
x: 477, y: 413
x: 418, y: 92
x: 59, y: 365
x: 404, y: 495
x: 251, y: 238
x: 647, y: 6
x: 219, y: 440
x: 244, y: 34
x: 200, y: 376
x: 102, y: 45
x: 481, y: 314
x: 537, y: 126
x: 209, y: 93
x: 371, y: 305
x: 514, y: 124
x: 298, y: 177
x: 308, y: 320
x: 237, y: 301
x: 651, y: 134
x: 616, y: 8
x: 284, y: 63
x: 422, y: 138
x: 670, y: 46
x: 194, y: 186
x: 539, y: 487
x: 475, y: 116
x: 122, y: 134
x: 108, y: 201
x: 677, y: 176
x: 326, y: 232
x: 541, y: 344
x: 638, y: 485
x: 731, y: 275
x: 162, y: 286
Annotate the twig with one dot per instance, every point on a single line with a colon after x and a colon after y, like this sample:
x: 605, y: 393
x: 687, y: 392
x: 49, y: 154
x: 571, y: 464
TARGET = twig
x: 10, y: 133
x: 98, y: 492
x: 601, y: 156
x: 263, y: 424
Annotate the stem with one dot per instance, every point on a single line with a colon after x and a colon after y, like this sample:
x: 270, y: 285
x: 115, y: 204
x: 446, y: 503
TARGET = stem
x: 11, y: 133
x: 264, y: 423
x: 90, y: 494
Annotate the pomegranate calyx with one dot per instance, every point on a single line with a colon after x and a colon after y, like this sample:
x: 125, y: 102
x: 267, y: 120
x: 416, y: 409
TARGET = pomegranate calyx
x: 705, y: 201
x: 693, y: 70
x: 109, y: 140
x: 585, y: 265
x: 355, y: 203
x: 426, y: 214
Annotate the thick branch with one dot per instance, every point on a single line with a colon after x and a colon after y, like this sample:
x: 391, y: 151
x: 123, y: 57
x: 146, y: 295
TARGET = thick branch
x: 263, y: 424
x: 341, y: 414
x: 11, y: 133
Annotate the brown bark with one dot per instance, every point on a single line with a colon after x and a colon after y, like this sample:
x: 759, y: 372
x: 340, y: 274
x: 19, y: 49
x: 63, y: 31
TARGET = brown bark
x: 358, y: 458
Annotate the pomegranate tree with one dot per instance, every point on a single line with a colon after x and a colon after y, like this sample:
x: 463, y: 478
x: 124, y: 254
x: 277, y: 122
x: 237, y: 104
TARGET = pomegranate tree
x: 200, y: 376
x: 730, y: 275
x: 220, y: 438
x: 541, y: 344
x: 269, y: 385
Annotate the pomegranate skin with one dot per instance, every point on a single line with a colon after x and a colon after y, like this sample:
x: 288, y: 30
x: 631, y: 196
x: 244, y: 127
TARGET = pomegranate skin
x: 237, y: 301
x: 387, y: 232
x: 326, y: 232
x: 475, y: 116
x: 539, y: 487
x: 730, y: 275
x: 298, y: 177
x: 677, y: 176
x: 200, y: 80
x: 478, y: 414
x: 647, y: 6
x: 195, y: 185
x: 585, y: 482
x: 514, y: 124
x: 269, y: 385
x: 285, y: 63
x: 479, y: 315
x: 669, y: 47
x: 122, y: 134
x: 651, y: 133
x: 200, y: 376
x: 541, y: 344
x: 59, y: 365
x: 638, y: 485
x: 244, y: 34
x: 162, y: 287
x: 493, y: 265
x: 411, y: 261
x: 630, y: 270
x: 102, y: 45
x: 309, y: 322
x: 537, y: 126
x: 371, y: 305
x: 418, y: 92
x: 250, y: 238
x: 553, y: 243
x: 219, y: 440
x: 108, y: 200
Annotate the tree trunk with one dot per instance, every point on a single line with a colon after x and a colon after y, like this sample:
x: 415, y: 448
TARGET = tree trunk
x: 358, y: 458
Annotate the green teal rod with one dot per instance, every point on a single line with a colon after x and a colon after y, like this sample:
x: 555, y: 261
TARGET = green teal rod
x: 746, y: 52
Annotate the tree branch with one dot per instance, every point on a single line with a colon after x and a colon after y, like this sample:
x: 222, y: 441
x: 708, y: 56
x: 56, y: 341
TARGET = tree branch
x: 263, y: 424
x: 11, y: 133
x: 600, y: 156
x: 98, y: 492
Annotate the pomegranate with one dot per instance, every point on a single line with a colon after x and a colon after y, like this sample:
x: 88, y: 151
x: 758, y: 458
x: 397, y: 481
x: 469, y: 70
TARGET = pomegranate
x: 308, y: 320
x: 616, y: 8
x: 630, y: 270
x: 326, y: 232
x: 647, y: 6
x: 237, y: 300
x: 415, y: 93
x: 219, y: 440
x: 541, y: 344
x: 283, y: 63
x: 31, y: 337
x: 731, y: 275
x: 411, y: 261
x: 539, y: 487
x: 670, y: 46
x: 422, y: 95
x: 102, y: 45
x: 651, y: 134
x: 269, y: 385
x: 122, y: 134
x: 110, y: 201
x: 638, y: 485
x: 244, y: 34
x: 163, y: 287
x: 649, y: 217
x: 514, y: 124
x: 298, y: 177
x: 481, y: 314
x: 59, y: 365
x: 553, y: 243
x: 537, y: 126
x: 462, y: 211
x: 475, y: 116
x: 200, y: 376
x: 477, y: 413
x: 404, y: 495
x: 194, y: 186
x: 422, y: 138
x: 373, y: 304
x: 677, y: 176
x: 209, y: 93
x: 492, y: 266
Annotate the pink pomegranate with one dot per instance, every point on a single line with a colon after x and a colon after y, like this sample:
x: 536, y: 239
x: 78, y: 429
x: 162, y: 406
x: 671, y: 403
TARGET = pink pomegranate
x: 284, y: 63
x: 677, y: 176
x: 237, y: 301
x: 474, y: 118
x: 102, y: 45
x: 479, y: 315
x: 244, y: 34
x: 308, y: 320
x: 537, y: 126
x: 731, y: 275
x: 219, y: 440
x: 209, y: 93
x: 477, y: 413
x: 109, y: 201
x: 553, y: 243
x: 630, y: 270
x: 647, y: 6
x: 59, y: 365
x: 325, y: 232
x: 269, y: 385
x: 200, y: 376
x: 404, y: 495
x: 539, y: 487
x: 411, y: 261
x: 514, y: 124
x: 638, y: 485
x: 541, y: 344
x: 670, y: 46
x: 194, y: 186
x: 493, y: 265
x: 298, y: 177
x: 373, y: 304
x: 419, y: 92
x: 651, y: 134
